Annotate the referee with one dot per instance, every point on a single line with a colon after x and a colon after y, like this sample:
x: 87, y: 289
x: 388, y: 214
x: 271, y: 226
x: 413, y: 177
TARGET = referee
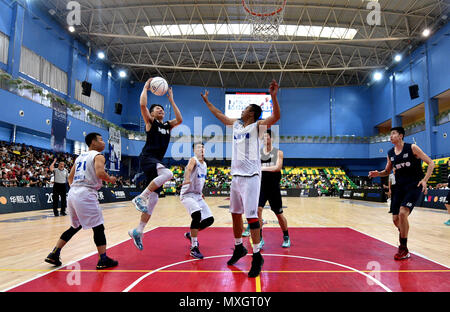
x: 59, y: 187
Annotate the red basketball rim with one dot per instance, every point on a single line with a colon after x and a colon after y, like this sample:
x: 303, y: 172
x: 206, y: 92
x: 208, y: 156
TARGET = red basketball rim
x: 265, y: 14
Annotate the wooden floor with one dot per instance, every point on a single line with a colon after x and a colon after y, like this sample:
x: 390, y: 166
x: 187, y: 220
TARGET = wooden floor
x: 26, y: 238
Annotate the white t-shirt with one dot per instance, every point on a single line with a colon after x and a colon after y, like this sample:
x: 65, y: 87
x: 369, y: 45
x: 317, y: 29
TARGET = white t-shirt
x: 246, y: 159
x: 85, y: 171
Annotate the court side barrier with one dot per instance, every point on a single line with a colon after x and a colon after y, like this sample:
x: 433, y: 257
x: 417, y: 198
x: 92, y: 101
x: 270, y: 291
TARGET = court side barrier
x: 284, y: 192
x: 20, y: 199
x: 434, y: 198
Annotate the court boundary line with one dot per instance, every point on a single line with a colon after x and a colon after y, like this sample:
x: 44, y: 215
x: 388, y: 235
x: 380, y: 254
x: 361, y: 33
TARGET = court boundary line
x: 70, y: 263
x: 414, y: 253
x: 140, y: 279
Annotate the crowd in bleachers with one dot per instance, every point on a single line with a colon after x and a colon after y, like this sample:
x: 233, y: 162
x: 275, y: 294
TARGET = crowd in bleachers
x: 27, y: 166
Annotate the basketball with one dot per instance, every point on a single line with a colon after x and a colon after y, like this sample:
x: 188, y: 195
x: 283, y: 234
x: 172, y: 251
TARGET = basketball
x: 159, y: 86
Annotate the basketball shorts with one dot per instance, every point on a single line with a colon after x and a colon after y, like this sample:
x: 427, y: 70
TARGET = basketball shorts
x: 150, y: 168
x: 83, y: 207
x: 404, y: 196
x: 244, y: 195
x: 195, y: 202
x: 447, y: 200
x: 271, y: 193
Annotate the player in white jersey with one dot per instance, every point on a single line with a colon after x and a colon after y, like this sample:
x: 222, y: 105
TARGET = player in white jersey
x: 246, y: 172
x: 85, y: 179
x: 192, y: 197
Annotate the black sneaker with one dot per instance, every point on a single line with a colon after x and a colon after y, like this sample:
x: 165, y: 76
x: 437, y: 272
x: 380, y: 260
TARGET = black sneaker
x: 187, y: 235
x: 63, y: 213
x: 107, y: 263
x: 52, y: 258
x: 195, y: 252
x: 239, y: 252
x: 257, y: 264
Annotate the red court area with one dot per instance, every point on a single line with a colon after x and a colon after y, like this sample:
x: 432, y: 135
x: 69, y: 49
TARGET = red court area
x: 319, y: 260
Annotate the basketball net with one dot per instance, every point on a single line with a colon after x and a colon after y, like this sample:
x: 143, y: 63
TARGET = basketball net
x: 265, y: 17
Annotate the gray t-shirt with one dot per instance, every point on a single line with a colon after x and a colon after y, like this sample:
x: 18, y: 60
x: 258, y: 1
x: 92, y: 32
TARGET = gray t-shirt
x: 60, y: 175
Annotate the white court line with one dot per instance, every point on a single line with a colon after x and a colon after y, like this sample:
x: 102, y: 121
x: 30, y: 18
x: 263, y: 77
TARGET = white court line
x: 273, y: 255
x: 66, y: 265
x: 415, y: 253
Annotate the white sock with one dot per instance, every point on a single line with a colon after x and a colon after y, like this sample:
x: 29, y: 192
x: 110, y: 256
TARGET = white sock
x: 256, y: 247
x: 141, y: 227
x: 146, y: 193
x: 238, y: 241
x: 194, y: 241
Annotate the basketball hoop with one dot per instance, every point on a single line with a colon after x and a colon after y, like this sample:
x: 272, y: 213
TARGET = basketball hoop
x: 265, y: 18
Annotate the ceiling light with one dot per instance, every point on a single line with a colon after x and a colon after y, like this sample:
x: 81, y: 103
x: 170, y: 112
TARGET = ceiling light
x: 122, y: 74
x: 426, y: 32
x: 101, y: 55
x: 398, y: 58
x: 71, y: 29
x: 377, y: 76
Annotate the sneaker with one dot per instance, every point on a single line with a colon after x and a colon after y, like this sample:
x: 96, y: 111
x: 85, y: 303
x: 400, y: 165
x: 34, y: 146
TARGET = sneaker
x: 448, y: 222
x: 261, y: 243
x: 52, y: 258
x: 195, y: 252
x: 257, y: 264
x: 137, y: 238
x: 246, y: 233
x: 63, y: 213
x: 286, y: 242
x: 140, y: 203
x: 239, y: 252
x: 106, y: 263
x: 187, y: 235
x: 402, y: 253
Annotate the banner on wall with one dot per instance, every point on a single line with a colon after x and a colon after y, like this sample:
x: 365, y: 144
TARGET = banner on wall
x: 59, y: 127
x: 114, y: 150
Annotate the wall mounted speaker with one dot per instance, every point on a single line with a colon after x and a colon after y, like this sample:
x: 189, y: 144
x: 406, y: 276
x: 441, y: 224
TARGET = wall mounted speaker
x: 118, y: 108
x: 87, y: 87
x: 414, y: 91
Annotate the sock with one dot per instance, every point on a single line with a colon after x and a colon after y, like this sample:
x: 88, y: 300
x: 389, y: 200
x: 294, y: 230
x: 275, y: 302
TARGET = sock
x: 194, y: 241
x: 238, y: 241
x: 256, y: 247
x: 286, y: 233
x: 260, y: 233
x: 403, y: 241
x: 146, y: 193
x: 56, y: 251
x: 141, y: 227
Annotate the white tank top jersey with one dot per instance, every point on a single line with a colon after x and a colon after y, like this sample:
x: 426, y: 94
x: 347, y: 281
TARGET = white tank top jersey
x: 85, y: 171
x: 197, y: 178
x: 246, y: 160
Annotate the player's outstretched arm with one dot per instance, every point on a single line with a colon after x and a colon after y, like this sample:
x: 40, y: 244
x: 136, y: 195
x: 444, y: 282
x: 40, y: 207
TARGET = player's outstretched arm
x: 99, y: 163
x: 178, y: 118
x: 276, y: 114
x: 384, y: 173
x: 216, y: 112
x: 424, y: 157
x: 188, y: 170
x: 143, y: 103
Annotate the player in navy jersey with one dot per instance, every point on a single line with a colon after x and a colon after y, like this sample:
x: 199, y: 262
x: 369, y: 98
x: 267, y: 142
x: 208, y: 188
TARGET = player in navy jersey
x: 158, y: 137
x: 410, y: 181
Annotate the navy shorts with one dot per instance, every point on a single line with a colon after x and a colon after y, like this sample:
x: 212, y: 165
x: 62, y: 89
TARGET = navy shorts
x: 404, y: 196
x: 148, y: 166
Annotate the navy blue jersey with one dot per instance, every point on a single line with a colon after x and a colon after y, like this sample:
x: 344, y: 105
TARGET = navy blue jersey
x: 408, y: 168
x: 157, y: 141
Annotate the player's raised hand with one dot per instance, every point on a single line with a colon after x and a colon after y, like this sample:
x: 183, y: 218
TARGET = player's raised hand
x: 273, y: 89
x: 147, y: 84
x: 205, y: 96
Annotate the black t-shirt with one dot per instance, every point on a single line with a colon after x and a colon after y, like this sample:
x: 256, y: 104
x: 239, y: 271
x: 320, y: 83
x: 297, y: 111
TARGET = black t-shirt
x: 158, y: 139
x: 268, y: 160
x: 408, y: 168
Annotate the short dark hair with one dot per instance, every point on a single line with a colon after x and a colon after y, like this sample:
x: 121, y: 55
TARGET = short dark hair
x: 400, y: 130
x: 91, y: 137
x: 257, y: 111
x: 193, y: 145
x: 155, y: 105
x: 269, y: 132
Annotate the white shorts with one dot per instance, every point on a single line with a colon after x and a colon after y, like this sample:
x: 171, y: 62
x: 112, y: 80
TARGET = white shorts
x: 195, y: 202
x: 244, y: 195
x: 83, y: 207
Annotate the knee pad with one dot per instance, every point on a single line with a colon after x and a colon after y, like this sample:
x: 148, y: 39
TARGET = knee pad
x: 253, y: 223
x: 151, y: 202
x: 99, y: 235
x: 164, y: 175
x: 196, y: 218
x: 207, y: 222
x: 67, y: 235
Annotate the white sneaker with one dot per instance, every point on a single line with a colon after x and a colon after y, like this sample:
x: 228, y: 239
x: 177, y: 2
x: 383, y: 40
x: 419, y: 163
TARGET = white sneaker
x: 140, y: 203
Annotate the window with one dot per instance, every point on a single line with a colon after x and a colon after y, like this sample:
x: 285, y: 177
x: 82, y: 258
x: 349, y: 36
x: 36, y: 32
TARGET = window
x: 95, y: 101
x: 4, y: 46
x: 37, y: 67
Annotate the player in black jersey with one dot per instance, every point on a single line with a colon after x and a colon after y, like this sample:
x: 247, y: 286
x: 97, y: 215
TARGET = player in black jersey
x: 271, y: 165
x: 447, y: 200
x: 409, y: 180
x: 150, y: 159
